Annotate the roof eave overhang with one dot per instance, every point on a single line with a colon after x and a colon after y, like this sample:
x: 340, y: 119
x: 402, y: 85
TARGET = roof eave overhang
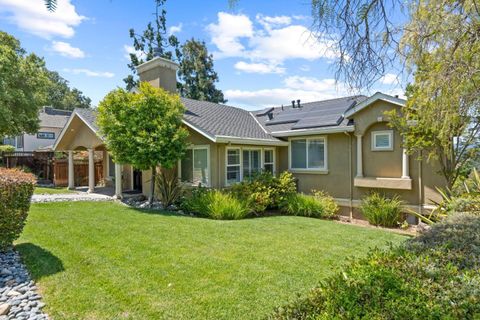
x: 376, y: 97
x: 65, y: 128
x: 307, y: 132
x: 250, y: 141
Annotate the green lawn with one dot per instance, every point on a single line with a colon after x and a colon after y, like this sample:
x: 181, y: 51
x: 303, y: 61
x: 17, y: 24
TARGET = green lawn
x: 51, y: 190
x: 107, y: 261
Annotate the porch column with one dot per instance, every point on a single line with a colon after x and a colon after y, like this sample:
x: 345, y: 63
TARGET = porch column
x: 359, y: 156
x: 405, y: 167
x: 118, y: 181
x: 71, y: 178
x: 91, y: 171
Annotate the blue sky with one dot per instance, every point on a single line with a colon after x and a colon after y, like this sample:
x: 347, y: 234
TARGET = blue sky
x: 263, y: 51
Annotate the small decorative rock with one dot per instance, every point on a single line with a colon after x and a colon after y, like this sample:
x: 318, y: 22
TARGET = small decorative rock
x: 18, y: 294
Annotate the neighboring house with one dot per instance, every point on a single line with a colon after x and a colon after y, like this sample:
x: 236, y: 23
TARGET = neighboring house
x: 52, y: 122
x: 343, y: 146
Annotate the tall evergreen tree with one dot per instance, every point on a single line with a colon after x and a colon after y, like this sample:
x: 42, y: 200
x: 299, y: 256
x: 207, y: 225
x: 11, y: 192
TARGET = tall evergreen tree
x: 61, y: 96
x: 153, y: 41
x: 196, y: 73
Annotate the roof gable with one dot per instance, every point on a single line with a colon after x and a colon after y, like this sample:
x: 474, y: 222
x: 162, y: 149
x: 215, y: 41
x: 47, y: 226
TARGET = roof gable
x: 376, y: 97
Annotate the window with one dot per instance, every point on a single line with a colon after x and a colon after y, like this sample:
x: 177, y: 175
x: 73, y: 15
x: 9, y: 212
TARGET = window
x: 111, y: 167
x: 9, y: 141
x: 309, y: 154
x: 46, y: 135
x: 233, y: 166
x: 194, y: 167
x: 20, y: 141
x: 268, y: 161
x: 251, y: 163
x: 382, y: 140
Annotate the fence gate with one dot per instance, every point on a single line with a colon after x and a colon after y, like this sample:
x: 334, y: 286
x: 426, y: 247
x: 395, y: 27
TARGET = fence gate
x: 80, y: 173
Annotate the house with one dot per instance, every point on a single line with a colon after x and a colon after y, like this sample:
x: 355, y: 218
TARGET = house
x: 343, y: 146
x: 52, y: 122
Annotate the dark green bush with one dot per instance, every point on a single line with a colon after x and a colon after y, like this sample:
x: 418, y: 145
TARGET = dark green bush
x: 433, y: 276
x: 264, y: 191
x: 169, y: 188
x: 6, y: 148
x: 382, y: 211
x: 215, y: 204
x: 16, y: 189
x: 318, y: 205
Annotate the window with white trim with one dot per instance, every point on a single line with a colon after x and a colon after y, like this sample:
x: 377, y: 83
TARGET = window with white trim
x: 382, y: 140
x: 233, y: 166
x: 252, y: 162
x: 268, y: 161
x: 194, y: 167
x: 308, y: 153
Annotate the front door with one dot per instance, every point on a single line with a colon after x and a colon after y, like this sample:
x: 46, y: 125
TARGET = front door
x: 137, y: 180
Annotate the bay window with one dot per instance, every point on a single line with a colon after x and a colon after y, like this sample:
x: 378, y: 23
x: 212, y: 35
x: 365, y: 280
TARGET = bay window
x: 245, y: 162
x: 194, y: 167
x: 308, y: 154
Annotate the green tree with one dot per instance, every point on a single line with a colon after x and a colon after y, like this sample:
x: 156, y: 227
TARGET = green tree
x: 61, y: 96
x: 153, y: 41
x: 197, y: 75
x: 143, y: 129
x: 23, y: 84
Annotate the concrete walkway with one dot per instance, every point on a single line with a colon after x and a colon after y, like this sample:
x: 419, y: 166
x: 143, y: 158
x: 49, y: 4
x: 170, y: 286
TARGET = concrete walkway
x: 78, y: 196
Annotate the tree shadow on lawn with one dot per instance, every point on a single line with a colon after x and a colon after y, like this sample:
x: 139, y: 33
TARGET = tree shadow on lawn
x: 40, y: 262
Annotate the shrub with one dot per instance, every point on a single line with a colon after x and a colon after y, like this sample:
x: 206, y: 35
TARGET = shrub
x: 169, y: 187
x: 215, y: 204
x: 318, y: 205
x: 264, y: 191
x: 433, y: 276
x: 6, y: 148
x: 16, y: 189
x: 382, y: 211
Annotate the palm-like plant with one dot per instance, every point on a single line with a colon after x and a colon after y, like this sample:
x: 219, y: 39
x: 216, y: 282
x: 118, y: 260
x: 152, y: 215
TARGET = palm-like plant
x: 51, y: 5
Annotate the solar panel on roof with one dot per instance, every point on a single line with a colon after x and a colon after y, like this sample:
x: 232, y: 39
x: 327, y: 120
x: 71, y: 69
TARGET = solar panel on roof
x: 264, y: 112
x: 319, y: 121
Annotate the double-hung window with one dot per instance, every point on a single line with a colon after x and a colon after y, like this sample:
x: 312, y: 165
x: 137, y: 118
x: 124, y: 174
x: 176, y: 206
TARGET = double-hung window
x: 382, y: 140
x: 194, y: 167
x: 233, y: 166
x: 308, y: 154
x: 251, y: 162
x: 268, y: 161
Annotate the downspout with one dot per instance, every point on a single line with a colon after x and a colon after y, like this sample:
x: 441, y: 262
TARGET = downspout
x: 350, y: 182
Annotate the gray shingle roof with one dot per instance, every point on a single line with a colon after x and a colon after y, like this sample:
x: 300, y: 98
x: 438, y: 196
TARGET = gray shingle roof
x: 222, y: 120
x: 318, y: 114
x: 53, y: 118
x: 89, y: 116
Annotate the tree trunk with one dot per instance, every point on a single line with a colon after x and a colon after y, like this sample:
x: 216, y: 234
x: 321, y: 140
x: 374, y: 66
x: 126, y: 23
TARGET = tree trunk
x: 152, y: 185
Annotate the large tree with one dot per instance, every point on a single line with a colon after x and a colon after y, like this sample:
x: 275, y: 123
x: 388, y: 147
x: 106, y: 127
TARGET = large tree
x: 197, y: 75
x: 61, y: 96
x: 23, y: 85
x: 143, y: 129
x: 153, y: 41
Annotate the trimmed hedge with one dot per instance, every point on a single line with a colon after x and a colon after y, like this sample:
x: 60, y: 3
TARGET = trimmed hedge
x: 433, y: 276
x: 16, y: 189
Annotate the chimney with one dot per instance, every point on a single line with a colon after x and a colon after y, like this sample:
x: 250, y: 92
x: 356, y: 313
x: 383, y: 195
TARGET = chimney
x: 160, y: 73
x: 298, y: 104
x: 293, y: 103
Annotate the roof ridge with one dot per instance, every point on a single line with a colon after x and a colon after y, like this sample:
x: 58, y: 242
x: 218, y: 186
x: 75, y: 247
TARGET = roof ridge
x: 215, y: 103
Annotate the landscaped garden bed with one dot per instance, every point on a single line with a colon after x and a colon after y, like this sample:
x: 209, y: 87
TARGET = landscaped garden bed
x: 106, y: 261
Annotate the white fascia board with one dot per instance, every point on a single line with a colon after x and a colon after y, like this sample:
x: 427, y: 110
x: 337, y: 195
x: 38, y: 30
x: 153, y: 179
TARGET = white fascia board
x: 62, y: 133
x: 306, y: 132
x: 377, y: 96
x: 250, y: 141
x: 203, y: 133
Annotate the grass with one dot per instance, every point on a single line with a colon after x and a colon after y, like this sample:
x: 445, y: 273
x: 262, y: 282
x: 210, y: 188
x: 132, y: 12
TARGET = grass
x: 51, y: 190
x: 107, y: 261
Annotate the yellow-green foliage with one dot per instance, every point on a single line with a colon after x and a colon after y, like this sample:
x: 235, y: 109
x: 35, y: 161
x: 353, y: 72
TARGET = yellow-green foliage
x: 382, y: 211
x: 318, y: 205
x: 6, y: 148
x: 16, y: 189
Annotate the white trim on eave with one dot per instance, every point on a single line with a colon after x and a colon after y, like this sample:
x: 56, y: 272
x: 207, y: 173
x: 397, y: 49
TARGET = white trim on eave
x: 256, y: 120
x: 306, y: 132
x: 377, y: 96
x: 62, y: 133
x: 250, y: 141
x: 203, y: 133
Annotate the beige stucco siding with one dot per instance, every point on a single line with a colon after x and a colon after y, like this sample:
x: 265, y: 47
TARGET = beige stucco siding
x: 77, y: 136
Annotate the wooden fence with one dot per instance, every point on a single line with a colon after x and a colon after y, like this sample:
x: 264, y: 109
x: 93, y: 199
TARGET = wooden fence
x: 39, y: 163
x: 80, y: 172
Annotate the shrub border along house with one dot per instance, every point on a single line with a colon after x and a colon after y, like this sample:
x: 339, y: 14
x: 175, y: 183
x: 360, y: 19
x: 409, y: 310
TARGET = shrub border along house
x: 433, y: 276
x: 16, y: 189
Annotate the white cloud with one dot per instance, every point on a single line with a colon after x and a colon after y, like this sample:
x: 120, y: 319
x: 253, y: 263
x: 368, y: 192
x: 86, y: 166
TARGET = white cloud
x: 130, y: 49
x: 227, y: 32
x: 269, y: 22
x: 90, y: 73
x: 295, y: 87
x: 66, y: 50
x: 33, y: 17
x: 175, y: 29
x: 261, y: 68
x: 389, y: 78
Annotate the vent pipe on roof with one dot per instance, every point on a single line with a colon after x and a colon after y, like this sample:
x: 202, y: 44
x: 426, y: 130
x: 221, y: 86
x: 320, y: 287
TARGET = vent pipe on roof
x: 298, y: 104
x: 293, y: 103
